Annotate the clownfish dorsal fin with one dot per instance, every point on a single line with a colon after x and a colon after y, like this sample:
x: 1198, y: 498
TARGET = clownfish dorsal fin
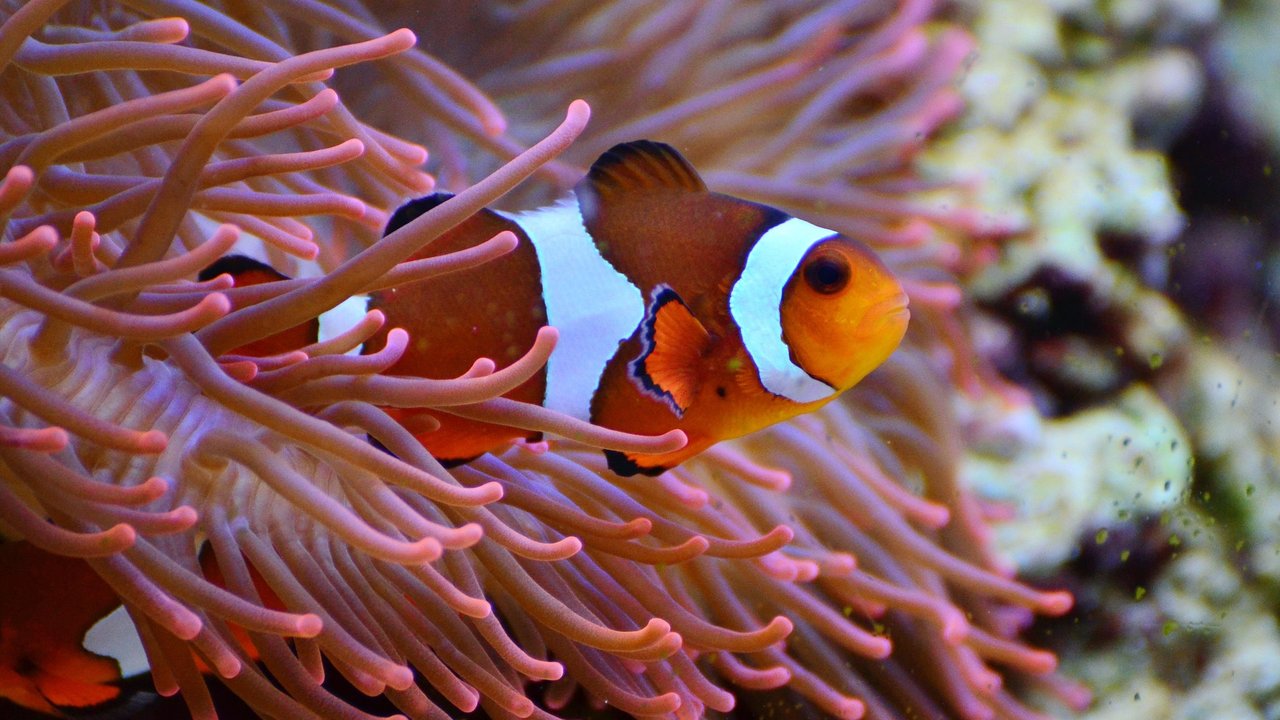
x: 642, y: 166
x: 655, y: 221
x: 239, y: 266
x: 673, y: 345
x: 247, y: 271
x: 411, y: 210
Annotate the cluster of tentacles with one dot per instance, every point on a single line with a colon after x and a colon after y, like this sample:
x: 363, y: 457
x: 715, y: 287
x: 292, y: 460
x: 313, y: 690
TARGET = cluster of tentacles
x: 834, y: 555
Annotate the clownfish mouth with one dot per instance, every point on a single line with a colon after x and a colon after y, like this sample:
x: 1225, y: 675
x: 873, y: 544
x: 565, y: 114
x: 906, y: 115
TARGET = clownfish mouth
x: 892, y: 309
x: 887, y: 318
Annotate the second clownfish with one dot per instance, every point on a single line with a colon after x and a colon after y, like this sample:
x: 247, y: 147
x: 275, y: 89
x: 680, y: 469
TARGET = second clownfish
x: 677, y: 307
x: 68, y: 647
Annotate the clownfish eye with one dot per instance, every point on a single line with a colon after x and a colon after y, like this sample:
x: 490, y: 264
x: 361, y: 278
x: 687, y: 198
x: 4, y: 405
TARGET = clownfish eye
x: 828, y: 274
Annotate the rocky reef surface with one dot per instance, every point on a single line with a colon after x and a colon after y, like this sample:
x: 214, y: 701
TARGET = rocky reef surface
x: 1129, y: 146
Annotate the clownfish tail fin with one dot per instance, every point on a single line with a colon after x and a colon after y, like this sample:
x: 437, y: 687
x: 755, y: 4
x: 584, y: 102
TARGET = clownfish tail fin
x: 247, y: 271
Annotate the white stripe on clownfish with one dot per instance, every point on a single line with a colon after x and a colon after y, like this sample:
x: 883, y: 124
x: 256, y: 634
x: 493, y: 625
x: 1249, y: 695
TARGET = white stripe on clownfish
x: 341, y: 318
x: 116, y: 637
x: 755, y: 302
x: 593, y: 306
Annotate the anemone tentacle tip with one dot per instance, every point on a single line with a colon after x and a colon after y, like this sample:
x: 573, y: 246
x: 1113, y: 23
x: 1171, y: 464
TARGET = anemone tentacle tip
x: 1058, y: 602
x: 579, y: 111
x: 955, y: 627
x: 309, y: 625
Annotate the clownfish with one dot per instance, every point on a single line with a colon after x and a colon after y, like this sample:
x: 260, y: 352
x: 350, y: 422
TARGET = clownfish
x: 65, y: 639
x: 68, y: 646
x: 677, y: 308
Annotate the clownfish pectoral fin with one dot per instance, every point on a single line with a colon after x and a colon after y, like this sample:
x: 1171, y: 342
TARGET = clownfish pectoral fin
x: 51, y: 610
x: 673, y: 345
x: 71, y: 692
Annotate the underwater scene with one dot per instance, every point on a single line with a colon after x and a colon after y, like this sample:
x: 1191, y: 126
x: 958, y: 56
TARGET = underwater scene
x: 742, y: 359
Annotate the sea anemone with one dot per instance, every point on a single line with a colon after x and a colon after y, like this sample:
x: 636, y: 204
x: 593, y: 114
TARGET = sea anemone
x: 835, y: 555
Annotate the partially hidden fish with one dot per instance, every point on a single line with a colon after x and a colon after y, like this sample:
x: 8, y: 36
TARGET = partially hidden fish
x: 66, y: 641
x: 247, y: 272
x: 677, y: 307
x: 67, y: 644
x: 64, y: 637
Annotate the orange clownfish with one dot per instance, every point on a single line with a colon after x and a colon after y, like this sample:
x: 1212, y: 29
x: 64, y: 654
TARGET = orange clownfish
x: 65, y: 640
x: 677, y: 307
